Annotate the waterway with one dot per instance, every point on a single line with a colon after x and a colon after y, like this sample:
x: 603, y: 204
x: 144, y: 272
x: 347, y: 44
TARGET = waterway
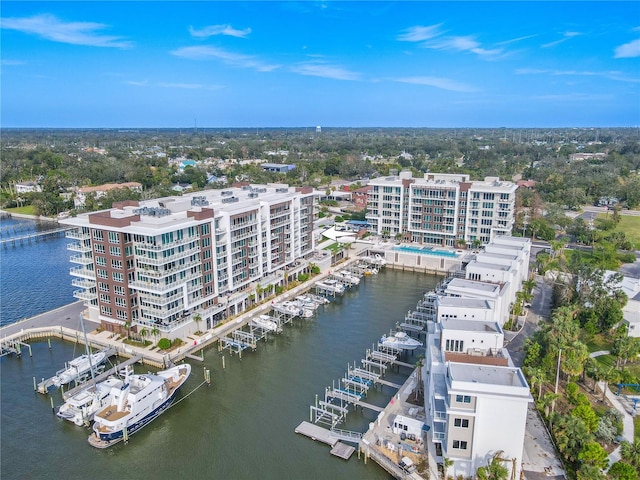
x: 242, y: 426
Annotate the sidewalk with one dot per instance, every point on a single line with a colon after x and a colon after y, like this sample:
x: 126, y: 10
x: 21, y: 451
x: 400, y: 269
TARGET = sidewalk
x: 628, y: 430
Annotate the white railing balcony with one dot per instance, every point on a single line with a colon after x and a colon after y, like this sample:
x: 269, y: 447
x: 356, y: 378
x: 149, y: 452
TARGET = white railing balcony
x: 85, y: 295
x: 82, y: 272
x: 81, y: 259
x: 83, y: 283
x: 77, y: 235
x: 163, y: 260
x: 79, y: 247
x: 162, y: 312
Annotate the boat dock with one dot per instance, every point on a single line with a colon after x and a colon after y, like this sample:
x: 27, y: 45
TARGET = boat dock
x: 47, y: 384
x: 101, y: 377
x: 329, y: 437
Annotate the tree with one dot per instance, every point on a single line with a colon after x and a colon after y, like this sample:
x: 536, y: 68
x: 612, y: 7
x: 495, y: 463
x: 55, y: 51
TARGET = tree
x: 574, y: 359
x: 631, y: 452
x: 495, y: 470
x: 571, y: 435
x: 622, y: 471
x: 155, y: 331
x: 197, y: 318
x: 446, y: 464
x: 589, y: 472
x: 144, y: 333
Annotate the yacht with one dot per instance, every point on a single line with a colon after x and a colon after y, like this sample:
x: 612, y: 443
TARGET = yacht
x: 400, y: 341
x: 139, y: 400
x: 331, y: 285
x: 79, y: 367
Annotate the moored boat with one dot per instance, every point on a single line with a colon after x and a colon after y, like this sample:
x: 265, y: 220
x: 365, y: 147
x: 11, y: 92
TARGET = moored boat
x: 81, y: 407
x: 265, y: 322
x: 79, y: 367
x: 400, y: 340
x: 140, y: 399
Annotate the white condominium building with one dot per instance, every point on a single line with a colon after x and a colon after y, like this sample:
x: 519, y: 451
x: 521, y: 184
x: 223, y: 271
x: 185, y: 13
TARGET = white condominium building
x: 476, y: 400
x: 441, y: 209
x: 160, y: 264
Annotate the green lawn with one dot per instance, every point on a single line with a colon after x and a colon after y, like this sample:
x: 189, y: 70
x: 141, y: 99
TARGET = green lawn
x: 599, y: 342
x: 631, y: 228
x: 26, y: 210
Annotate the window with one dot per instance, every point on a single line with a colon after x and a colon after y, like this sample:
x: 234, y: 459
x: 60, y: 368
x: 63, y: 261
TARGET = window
x: 97, y: 235
x: 461, y: 422
x: 114, y: 237
x: 105, y: 298
x: 117, y: 276
x: 123, y: 316
x: 101, y: 273
x: 118, y: 290
x: 101, y: 261
x: 104, y: 287
x: 116, y: 264
x: 105, y: 310
x: 114, y: 251
x: 460, y: 444
x: 98, y: 247
x: 463, y: 399
x: 121, y: 302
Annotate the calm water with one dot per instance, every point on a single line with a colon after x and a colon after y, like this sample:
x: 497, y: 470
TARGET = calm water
x: 242, y: 427
x: 34, y: 278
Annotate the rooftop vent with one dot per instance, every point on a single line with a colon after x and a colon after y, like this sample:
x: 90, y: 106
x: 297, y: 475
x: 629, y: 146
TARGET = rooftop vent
x: 199, y: 201
x: 226, y: 193
x: 152, y: 211
x: 230, y: 200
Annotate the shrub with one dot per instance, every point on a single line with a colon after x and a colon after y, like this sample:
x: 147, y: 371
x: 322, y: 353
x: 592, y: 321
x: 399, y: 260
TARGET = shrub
x: 572, y: 390
x: 164, y: 343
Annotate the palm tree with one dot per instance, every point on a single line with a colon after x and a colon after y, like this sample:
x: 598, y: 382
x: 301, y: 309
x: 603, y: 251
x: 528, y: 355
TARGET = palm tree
x: 155, y: 331
x: 631, y: 452
x: 529, y: 285
x: 495, y: 470
x: 127, y: 325
x: 446, y: 464
x: 419, y: 384
x: 197, y: 318
x: 144, y: 333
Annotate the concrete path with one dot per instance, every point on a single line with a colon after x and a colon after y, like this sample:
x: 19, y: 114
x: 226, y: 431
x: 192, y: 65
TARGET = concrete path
x: 627, y: 420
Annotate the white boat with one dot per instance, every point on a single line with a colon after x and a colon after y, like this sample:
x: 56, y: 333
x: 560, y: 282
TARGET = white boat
x: 318, y: 299
x: 349, y: 277
x: 81, y: 408
x: 79, y: 367
x: 288, y: 308
x: 307, y: 302
x: 265, y: 322
x: 137, y: 402
x: 331, y: 285
x: 399, y: 340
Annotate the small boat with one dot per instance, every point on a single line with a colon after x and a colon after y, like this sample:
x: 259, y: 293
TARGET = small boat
x: 288, y: 308
x: 79, y: 367
x: 139, y: 400
x: 307, y: 302
x: 81, y: 408
x: 399, y: 340
x: 318, y: 299
x: 265, y: 322
x: 331, y: 285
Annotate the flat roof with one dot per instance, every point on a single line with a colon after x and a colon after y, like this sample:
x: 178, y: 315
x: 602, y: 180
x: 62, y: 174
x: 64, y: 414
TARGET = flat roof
x: 470, y: 325
x: 487, y: 374
x: 464, y: 302
x: 473, y: 284
x: 491, y: 266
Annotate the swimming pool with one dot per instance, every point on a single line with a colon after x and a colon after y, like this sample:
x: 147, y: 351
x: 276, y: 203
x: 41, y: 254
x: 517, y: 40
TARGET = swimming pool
x: 425, y: 251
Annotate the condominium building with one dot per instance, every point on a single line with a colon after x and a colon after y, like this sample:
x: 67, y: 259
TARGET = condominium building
x: 161, y: 264
x: 441, y: 209
x: 476, y: 400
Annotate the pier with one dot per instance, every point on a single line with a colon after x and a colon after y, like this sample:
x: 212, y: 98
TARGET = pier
x: 101, y: 377
x: 28, y: 238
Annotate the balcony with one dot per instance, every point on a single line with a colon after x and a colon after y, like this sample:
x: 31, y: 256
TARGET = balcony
x: 144, y: 260
x: 81, y: 259
x: 84, y: 283
x: 77, y: 235
x: 82, y: 272
x: 79, y: 247
x: 85, y: 295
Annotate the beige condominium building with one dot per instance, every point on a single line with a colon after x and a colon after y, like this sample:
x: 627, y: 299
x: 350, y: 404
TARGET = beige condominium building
x: 169, y: 264
x: 447, y: 210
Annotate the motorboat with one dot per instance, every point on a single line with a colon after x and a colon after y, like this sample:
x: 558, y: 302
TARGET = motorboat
x: 288, y: 308
x: 139, y: 400
x: 349, y: 277
x: 400, y: 341
x: 331, y: 285
x: 307, y: 302
x: 81, y: 407
x: 78, y: 367
x: 266, y: 323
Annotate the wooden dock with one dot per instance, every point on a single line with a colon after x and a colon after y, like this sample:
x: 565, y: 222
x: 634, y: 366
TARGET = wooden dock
x: 342, y: 450
x: 14, y: 241
x: 314, y: 432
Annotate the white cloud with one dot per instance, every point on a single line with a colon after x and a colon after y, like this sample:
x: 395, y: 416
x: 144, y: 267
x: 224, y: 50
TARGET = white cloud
x: 514, y: 40
x: 230, y: 58
x: 628, y: 50
x: 74, y: 33
x: 610, y: 74
x: 565, y: 36
x: 7, y: 62
x: 318, y: 69
x: 462, y: 44
x: 420, y: 33
x: 187, y: 86
x: 438, y: 82
x: 212, y: 30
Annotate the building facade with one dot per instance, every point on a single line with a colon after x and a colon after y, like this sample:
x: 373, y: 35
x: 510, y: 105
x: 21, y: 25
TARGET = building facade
x: 447, y: 210
x: 167, y: 263
x: 476, y: 400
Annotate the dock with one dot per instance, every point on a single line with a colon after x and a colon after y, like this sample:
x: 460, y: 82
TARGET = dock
x: 47, y: 383
x: 22, y: 239
x: 103, y: 376
x: 319, y: 434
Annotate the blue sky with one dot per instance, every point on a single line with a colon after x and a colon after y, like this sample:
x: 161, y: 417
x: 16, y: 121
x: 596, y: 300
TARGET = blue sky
x: 335, y: 64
